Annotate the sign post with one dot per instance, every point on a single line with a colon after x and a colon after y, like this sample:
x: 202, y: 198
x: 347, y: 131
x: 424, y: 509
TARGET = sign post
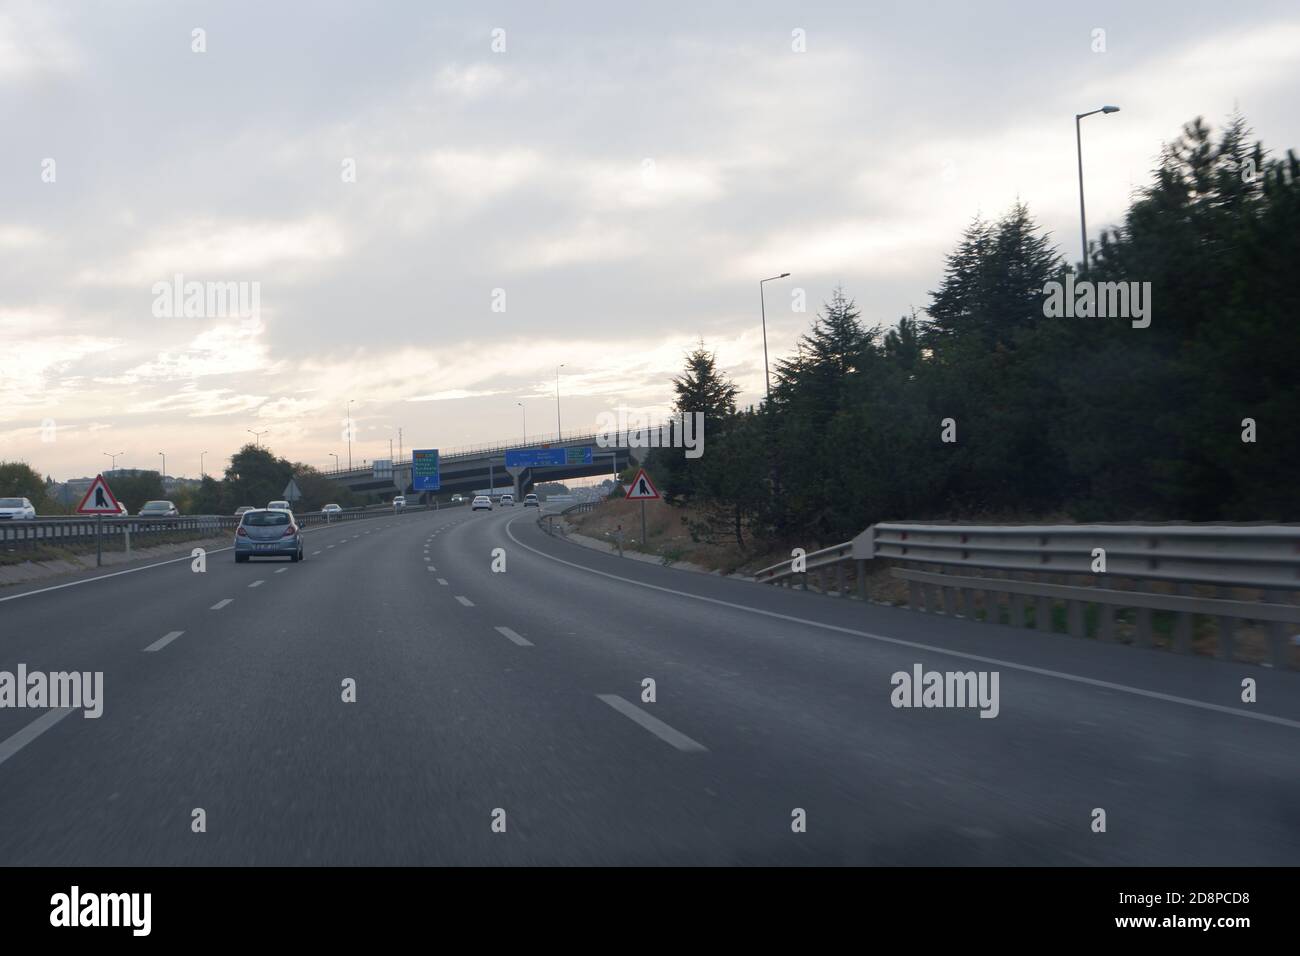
x: 99, y: 501
x: 642, y: 489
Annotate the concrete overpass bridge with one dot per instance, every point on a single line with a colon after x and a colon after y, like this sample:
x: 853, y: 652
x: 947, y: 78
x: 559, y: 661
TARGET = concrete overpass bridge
x: 465, y: 470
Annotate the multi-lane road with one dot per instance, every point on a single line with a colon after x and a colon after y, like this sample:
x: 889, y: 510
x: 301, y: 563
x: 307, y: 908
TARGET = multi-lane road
x: 521, y: 691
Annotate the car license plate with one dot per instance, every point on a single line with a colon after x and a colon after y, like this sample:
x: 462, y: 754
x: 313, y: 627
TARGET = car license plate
x: 266, y: 547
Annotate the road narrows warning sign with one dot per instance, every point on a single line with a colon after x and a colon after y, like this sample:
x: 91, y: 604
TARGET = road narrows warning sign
x: 99, y: 499
x: 642, y: 488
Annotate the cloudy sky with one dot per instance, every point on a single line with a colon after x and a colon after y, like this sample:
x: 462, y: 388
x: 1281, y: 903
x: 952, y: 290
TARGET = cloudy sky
x: 617, y: 179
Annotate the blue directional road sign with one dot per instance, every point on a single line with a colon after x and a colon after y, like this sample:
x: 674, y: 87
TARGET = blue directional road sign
x: 543, y: 457
x: 424, y: 469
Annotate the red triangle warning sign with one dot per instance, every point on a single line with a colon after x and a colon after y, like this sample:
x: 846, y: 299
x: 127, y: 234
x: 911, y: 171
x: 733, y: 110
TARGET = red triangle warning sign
x: 642, y: 487
x: 99, y: 499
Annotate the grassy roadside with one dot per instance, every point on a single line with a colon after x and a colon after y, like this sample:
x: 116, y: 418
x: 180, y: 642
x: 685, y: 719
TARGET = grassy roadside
x: 667, y: 536
x: 25, y: 565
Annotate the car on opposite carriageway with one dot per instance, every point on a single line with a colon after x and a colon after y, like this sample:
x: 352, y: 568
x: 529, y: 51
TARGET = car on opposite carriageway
x: 16, y: 509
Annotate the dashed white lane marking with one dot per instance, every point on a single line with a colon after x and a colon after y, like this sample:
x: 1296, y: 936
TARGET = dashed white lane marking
x: 18, y: 741
x: 314, y: 553
x: 220, y: 604
x: 442, y: 581
x: 257, y: 584
x: 431, y: 568
x: 464, y: 600
x: 930, y: 648
x: 506, y: 632
x: 428, y: 558
x: 163, y: 641
x: 653, y: 724
x: 328, y: 546
x: 281, y: 570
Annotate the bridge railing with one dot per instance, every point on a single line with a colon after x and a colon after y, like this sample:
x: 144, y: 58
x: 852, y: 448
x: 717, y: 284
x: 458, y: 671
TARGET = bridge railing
x: 1026, y: 574
x: 620, y: 442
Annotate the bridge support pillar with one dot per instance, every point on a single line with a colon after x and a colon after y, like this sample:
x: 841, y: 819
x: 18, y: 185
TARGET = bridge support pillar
x: 514, y: 477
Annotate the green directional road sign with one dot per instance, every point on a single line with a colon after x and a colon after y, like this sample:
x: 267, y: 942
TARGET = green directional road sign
x: 424, y: 470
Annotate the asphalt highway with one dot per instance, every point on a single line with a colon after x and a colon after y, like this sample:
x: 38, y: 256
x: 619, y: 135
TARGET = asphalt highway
x: 499, y: 719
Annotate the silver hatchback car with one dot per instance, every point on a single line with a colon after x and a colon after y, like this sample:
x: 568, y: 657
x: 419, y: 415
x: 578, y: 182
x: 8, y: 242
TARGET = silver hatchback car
x: 268, y: 533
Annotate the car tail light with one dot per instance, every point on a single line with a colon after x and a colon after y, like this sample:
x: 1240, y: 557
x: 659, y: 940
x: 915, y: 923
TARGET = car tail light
x: 241, y: 532
x: 291, y: 530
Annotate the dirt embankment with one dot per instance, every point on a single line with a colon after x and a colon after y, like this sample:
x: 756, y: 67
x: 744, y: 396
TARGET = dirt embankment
x: 667, y: 536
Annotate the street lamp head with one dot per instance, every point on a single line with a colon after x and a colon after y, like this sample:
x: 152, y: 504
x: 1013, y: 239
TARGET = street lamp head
x: 783, y: 275
x: 1110, y: 109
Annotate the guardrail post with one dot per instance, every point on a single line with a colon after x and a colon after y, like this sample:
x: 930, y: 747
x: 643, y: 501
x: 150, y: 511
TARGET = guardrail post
x: 1043, y: 614
x: 1106, y: 622
x: 1017, y: 610
x: 839, y: 578
x: 1227, y: 630
x: 914, y: 599
x: 1277, y: 631
x: 1183, y: 625
x: 1144, y: 627
x: 1074, y: 619
x: 949, y: 601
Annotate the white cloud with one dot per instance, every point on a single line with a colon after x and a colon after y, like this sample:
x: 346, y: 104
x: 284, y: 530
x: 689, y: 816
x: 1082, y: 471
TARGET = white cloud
x: 211, y: 250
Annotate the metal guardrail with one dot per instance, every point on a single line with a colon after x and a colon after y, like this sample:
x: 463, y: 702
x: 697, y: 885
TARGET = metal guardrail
x: 546, y: 521
x: 62, y: 531
x: 1023, y: 572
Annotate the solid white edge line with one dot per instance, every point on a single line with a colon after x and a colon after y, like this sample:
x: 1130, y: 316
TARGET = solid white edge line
x: 962, y: 655
x: 668, y: 735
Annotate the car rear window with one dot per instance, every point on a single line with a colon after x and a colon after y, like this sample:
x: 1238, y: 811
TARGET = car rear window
x: 266, y: 519
x: 11, y: 503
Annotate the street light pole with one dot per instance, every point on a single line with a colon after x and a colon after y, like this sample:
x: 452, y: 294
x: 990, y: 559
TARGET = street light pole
x: 762, y: 304
x: 112, y: 459
x: 164, y: 471
x: 257, y: 436
x: 559, y: 432
x: 350, y: 401
x: 525, y: 414
x: 1078, y: 142
x: 201, y: 454
x: 336, y: 461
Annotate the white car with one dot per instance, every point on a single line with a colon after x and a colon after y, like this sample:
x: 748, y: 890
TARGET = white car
x: 507, y: 501
x: 481, y: 501
x: 399, y: 502
x: 278, y: 506
x: 16, y: 509
x: 532, y: 501
x: 159, y: 509
x: 331, y: 509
